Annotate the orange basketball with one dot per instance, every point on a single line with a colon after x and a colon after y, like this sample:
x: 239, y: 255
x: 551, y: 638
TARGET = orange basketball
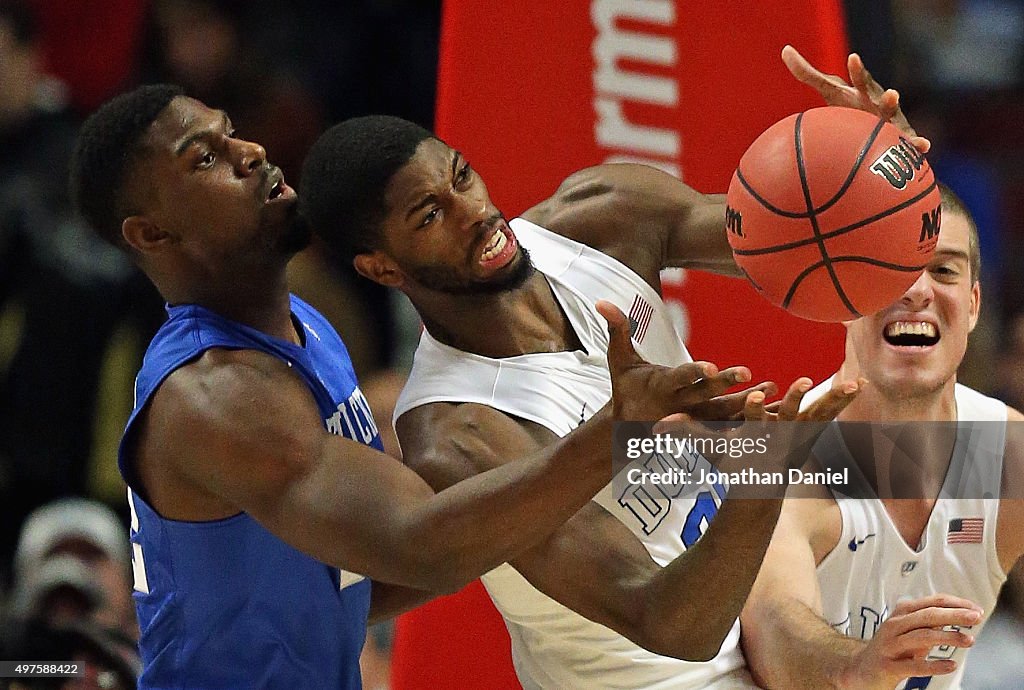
x: 833, y: 214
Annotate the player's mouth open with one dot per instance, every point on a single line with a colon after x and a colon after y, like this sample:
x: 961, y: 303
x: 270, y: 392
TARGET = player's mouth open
x: 499, y: 249
x: 911, y: 334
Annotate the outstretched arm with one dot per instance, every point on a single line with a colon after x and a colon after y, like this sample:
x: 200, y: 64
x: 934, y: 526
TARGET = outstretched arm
x: 782, y: 619
x: 594, y: 564
x: 650, y: 220
x: 642, y: 216
x: 255, y: 442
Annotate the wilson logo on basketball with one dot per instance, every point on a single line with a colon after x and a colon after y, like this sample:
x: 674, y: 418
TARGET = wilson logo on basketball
x: 898, y: 164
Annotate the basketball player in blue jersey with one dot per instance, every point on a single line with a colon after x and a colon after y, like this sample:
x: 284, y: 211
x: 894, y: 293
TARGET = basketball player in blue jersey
x: 260, y: 503
x: 610, y: 600
x: 857, y: 593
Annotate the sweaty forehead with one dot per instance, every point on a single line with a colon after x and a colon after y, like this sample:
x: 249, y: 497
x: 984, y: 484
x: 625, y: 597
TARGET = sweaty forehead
x: 182, y: 116
x: 428, y: 171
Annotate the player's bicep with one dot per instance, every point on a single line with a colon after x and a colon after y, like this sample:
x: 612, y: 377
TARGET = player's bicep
x: 255, y: 439
x: 641, y: 215
x: 235, y: 424
x: 698, y: 239
x: 445, y: 443
x: 388, y: 600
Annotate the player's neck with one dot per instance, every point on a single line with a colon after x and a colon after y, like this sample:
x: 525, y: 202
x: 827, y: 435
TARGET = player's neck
x: 262, y: 304
x: 874, y: 404
x: 526, y: 320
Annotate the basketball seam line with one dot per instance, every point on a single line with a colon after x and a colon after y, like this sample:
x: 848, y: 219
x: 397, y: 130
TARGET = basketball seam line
x: 752, y: 281
x: 853, y: 257
x: 838, y: 231
x: 798, y: 142
x: 831, y: 202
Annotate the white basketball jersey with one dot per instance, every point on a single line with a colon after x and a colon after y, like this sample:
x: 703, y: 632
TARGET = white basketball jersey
x: 552, y: 646
x: 872, y: 568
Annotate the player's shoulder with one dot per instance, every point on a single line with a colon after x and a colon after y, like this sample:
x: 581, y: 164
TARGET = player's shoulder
x: 597, y: 205
x: 224, y: 370
x: 230, y: 388
x: 808, y: 507
x: 976, y: 406
x: 619, y: 209
x: 811, y: 515
x: 236, y: 409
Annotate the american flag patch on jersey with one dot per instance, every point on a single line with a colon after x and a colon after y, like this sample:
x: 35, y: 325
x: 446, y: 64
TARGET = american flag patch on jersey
x: 965, y: 531
x: 639, y: 318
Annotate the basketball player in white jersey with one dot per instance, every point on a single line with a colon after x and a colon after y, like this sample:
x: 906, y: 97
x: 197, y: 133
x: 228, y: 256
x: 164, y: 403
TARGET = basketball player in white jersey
x: 894, y: 573
x: 512, y: 358
x: 854, y: 593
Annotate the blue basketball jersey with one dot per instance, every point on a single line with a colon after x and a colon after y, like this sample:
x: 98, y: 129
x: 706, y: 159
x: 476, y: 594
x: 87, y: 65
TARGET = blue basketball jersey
x: 226, y: 604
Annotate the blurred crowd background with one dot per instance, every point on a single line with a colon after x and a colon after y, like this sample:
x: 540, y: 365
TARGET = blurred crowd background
x: 75, y: 315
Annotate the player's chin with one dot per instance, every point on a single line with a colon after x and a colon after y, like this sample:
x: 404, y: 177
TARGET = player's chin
x: 295, y: 232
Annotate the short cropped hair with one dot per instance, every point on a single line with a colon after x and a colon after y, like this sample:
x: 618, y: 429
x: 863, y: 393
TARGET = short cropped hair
x: 346, y: 174
x: 107, y: 145
x: 952, y: 204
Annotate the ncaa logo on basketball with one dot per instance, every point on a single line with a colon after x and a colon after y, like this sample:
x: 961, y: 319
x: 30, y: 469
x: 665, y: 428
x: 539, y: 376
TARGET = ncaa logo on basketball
x: 930, y: 224
x: 898, y: 164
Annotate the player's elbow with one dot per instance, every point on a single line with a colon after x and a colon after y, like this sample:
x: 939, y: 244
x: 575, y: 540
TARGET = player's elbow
x: 436, y: 559
x: 756, y: 624
x: 666, y: 635
x: 692, y: 645
x: 448, y: 578
x: 431, y: 568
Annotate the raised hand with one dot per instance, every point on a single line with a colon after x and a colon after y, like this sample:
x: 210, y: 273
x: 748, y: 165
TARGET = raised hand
x: 727, y: 407
x: 791, y: 443
x: 647, y: 392
x: 824, y: 409
x: 861, y: 92
x: 902, y: 643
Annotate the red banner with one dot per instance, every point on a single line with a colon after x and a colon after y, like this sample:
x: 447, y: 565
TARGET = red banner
x: 531, y: 91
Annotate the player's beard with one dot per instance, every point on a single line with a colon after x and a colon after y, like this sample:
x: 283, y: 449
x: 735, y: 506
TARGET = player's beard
x: 446, y: 279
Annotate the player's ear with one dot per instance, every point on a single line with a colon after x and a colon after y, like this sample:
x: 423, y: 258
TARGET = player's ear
x: 975, y: 308
x: 380, y: 268
x: 143, y: 235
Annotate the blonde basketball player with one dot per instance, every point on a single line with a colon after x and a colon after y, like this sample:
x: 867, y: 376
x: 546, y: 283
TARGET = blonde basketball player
x: 883, y: 593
